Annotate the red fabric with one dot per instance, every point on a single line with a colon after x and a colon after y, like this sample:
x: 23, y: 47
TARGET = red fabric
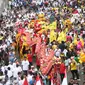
x: 38, y: 62
x: 38, y: 79
x: 26, y: 22
x: 25, y: 82
x: 33, y: 49
x: 28, y: 38
x: 29, y: 57
x: 62, y: 68
x: 17, y: 23
x: 38, y: 45
x: 21, y: 30
x: 75, y: 12
x: 47, y: 60
x: 37, y: 26
x: 20, y: 25
x: 46, y: 2
x: 35, y: 35
x: 68, y: 38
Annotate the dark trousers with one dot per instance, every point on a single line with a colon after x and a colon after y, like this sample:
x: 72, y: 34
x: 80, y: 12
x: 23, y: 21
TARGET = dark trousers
x: 25, y: 72
x: 48, y: 82
x: 30, y: 65
x: 38, y: 67
x: 62, y: 76
x: 75, y: 74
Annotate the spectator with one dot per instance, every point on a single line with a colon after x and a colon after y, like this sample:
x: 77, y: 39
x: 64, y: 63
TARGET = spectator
x: 9, y: 73
x: 29, y: 55
x: 62, y: 46
x: 21, y: 81
x: 73, y: 67
x: 62, y: 71
x: 25, y: 66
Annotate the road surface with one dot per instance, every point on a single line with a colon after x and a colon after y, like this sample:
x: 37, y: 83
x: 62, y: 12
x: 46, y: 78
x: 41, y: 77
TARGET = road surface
x: 80, y: 76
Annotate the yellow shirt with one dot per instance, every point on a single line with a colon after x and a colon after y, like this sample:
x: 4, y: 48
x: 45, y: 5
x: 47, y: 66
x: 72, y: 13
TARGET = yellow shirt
x: 74, y: 66
x: 54, y: 47
x: 82, y: 56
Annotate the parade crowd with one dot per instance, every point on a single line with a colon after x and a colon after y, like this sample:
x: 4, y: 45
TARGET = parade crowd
x: 19, y: 63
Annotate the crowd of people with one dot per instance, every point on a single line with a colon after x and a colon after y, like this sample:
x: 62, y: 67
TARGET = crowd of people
x: 67, y: 40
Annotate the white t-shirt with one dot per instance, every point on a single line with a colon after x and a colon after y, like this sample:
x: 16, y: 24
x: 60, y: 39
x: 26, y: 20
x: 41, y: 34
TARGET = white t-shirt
x: 66, y: 62
x: 4, y: 47
x: 10, y: 39
x: 11, y: 67
x: 14, y: 65
x: 15, y: 82
x: 65, y: 52
x: 39, y: 1
x: 1, y: 84
x: 25, y: 65
x: 9, y: 73
x: 57, y: 52
x: 1, y: 46
x: 10, y: 2
x: 19, y: 69
x: 21, y: 82
x: 8, y: 82
x: 15, y: 72
x: 29, y: 78
x: 3, y: 69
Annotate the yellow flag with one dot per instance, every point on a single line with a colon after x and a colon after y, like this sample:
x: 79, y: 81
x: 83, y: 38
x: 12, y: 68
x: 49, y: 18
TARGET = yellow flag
x: 75, y: 40
x: 52, y: 26
x: 66, y: 30
x: 62, y: 37
x: 52, y: 36
x: 82, y: 56
x: 82, y: 41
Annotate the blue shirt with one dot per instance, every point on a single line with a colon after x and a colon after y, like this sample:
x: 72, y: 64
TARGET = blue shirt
x: 32, y: 82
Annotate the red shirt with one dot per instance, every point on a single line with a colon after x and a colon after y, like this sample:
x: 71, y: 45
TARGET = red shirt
x: 29, y: 57
x: 62, y: 68
x: 37, y: 61
x: 68, y: 38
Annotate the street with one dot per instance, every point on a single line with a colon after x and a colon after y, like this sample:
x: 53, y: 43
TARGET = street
x: 69, y: 75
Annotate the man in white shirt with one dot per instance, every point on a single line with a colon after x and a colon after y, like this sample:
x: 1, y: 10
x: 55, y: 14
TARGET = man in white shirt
x: 8, y: 82
x: 57, y: 52
x: 29, y: 76
x: 25, y: 66
x: 4, y: 46
x: 9, y: 73
x: 11, y: 66
x: 16, y: 70
x: 21, y: 81
x: 3, y: 69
